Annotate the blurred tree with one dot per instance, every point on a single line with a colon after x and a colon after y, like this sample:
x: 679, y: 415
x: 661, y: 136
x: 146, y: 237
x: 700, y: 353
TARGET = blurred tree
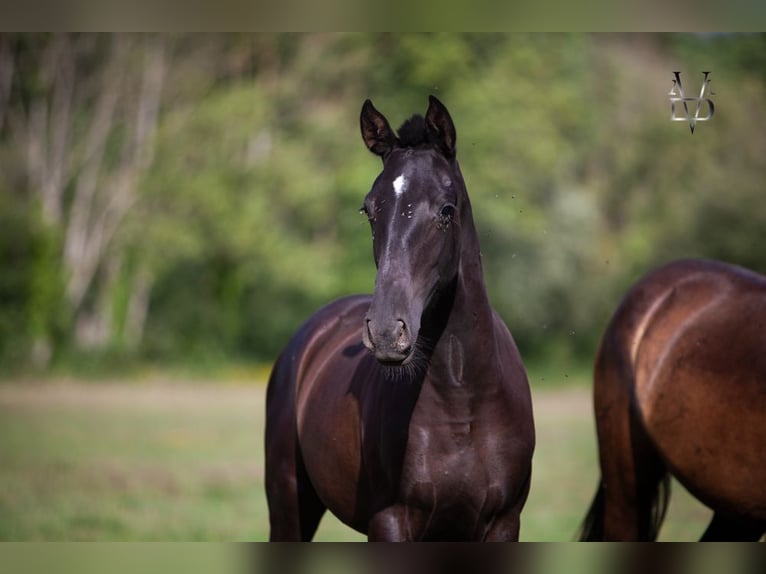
x: 82, y: 168
x: 184, y: 196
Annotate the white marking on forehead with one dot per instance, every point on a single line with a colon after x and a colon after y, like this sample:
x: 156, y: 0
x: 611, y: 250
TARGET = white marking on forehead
x: 400, y: 185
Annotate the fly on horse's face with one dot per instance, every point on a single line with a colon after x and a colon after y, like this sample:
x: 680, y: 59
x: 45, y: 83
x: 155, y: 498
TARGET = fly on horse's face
x: 414, y: 210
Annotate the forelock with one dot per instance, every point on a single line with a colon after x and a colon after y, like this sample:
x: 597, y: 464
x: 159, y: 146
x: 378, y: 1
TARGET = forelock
x: 413, y: 132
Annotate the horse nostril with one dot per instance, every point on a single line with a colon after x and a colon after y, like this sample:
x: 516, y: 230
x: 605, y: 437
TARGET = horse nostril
x: 402, y: 344
x: 367, y: 336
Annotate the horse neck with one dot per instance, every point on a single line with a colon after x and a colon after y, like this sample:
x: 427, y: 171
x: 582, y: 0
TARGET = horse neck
x: 472, y: 308
x: 465, y: 345
x: 471, y: 314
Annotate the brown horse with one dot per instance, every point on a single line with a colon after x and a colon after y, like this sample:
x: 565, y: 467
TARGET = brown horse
x: 407, y: 413
x: 680, y: 387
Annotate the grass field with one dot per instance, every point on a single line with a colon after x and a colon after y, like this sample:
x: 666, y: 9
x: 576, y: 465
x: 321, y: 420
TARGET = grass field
x: 184, y: 461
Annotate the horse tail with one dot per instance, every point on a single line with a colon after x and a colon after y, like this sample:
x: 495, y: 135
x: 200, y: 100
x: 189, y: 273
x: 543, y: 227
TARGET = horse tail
x: 634, y: 488
x: 660, y: 502
x: 592, y: 527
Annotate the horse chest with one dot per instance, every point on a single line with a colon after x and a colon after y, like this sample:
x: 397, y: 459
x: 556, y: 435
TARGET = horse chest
x: 453, y: 466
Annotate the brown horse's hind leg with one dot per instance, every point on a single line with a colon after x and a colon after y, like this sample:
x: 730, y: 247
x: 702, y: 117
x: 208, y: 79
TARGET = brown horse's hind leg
x: 632, y: 497
x: 733, y: 529
x: 294, y: 506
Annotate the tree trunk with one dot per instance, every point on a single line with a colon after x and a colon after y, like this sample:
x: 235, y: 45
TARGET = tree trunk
x: 103, y: 197
x: 138, y: 307
x: 122, y: 102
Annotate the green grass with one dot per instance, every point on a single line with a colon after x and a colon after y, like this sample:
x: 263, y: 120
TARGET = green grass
x: 172, y: 461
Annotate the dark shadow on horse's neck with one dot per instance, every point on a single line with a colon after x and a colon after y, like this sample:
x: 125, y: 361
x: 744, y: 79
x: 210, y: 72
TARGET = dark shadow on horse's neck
x: 472, y: 301
x: 461, y: 311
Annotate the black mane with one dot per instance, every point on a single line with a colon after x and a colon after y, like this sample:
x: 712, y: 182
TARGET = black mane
x: 414, y: 132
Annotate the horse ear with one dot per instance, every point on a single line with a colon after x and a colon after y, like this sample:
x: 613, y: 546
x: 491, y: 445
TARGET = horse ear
x: 441, y: 127
x: 376, y: 133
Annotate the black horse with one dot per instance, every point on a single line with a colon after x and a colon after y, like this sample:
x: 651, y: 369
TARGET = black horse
x: 407, y: 413
x: 680, y: 388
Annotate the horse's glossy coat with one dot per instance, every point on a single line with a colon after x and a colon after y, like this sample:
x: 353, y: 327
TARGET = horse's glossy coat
x: 406, y: 413
x: 680, y: 387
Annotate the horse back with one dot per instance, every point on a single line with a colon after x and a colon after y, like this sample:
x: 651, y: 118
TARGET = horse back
x: 691, y: 340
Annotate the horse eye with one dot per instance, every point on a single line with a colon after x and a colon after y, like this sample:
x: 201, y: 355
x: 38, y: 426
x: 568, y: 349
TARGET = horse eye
x: 370, y: 216
x: 448, y: 211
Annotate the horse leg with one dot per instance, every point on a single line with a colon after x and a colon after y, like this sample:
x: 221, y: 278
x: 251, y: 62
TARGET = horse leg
x: 505, y: 527
x: 396, y: 523
x: 294, y: 506
x: 725, y: 528
x: 632, y: 497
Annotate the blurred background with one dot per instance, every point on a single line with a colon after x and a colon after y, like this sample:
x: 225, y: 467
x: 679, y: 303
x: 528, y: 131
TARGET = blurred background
x: 181, y: 203
x: 193, y: 198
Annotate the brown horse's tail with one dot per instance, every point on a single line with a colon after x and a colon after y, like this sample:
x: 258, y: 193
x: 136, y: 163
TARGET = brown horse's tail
x: 634, y: 483
x: 659, y: 506
x: 592, y: 527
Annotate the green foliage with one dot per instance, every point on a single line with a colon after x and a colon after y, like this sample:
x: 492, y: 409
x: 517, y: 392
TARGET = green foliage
x: 16, y: 279
x: 30, y: 287
x: 247, y: 222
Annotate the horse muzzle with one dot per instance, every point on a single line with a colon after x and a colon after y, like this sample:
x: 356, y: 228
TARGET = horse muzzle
x: 390, y: 341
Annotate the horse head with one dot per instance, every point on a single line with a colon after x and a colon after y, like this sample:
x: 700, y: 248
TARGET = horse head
x: 416, y: 209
